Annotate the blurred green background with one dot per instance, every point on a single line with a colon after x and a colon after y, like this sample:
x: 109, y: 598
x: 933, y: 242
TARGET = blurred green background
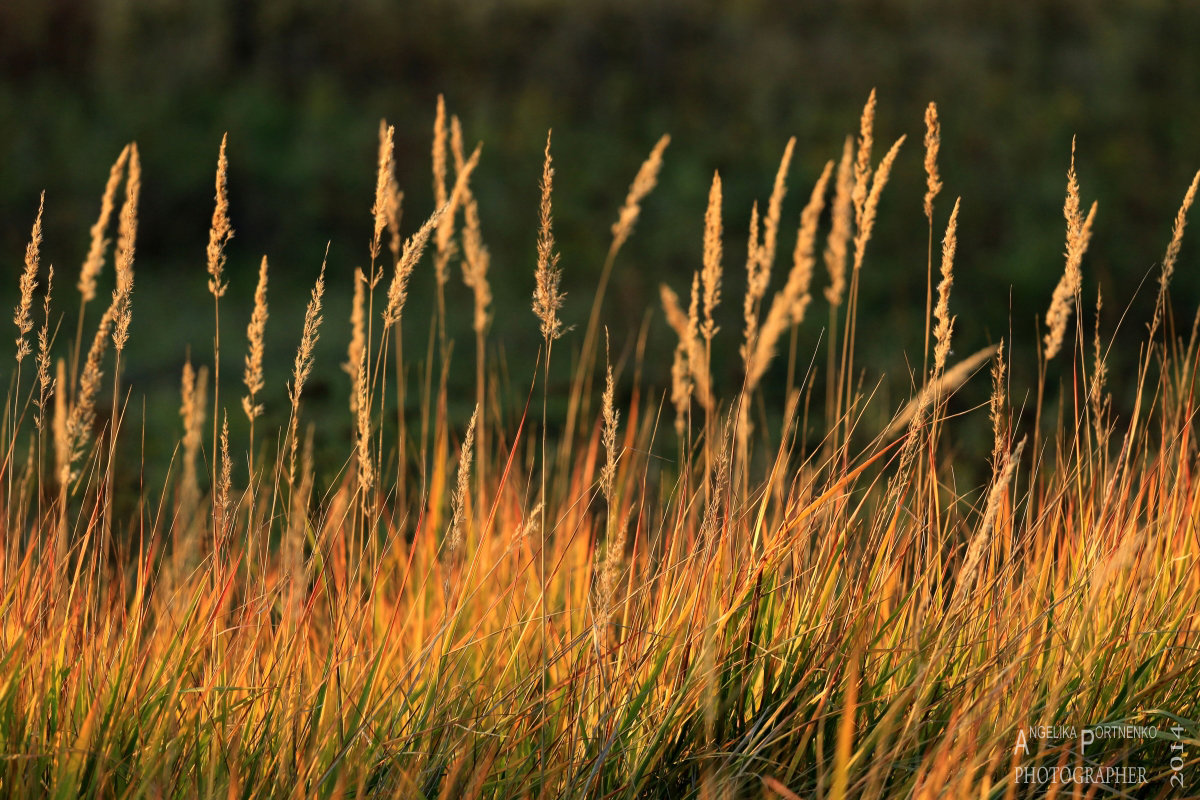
x: 300, y: 86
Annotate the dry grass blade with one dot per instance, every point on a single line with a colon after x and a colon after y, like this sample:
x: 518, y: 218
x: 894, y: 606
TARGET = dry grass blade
x: 970, y: 565
x: 948, y: 382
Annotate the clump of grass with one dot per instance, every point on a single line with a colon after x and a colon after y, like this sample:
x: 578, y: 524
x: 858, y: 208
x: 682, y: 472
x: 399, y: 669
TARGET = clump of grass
x: 602, y: 613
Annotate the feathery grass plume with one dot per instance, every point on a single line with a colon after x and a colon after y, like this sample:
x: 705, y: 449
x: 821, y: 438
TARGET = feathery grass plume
x: 439, y: 153
x: 710, y: 276
x: 775, y: 211
x: 220, y: 232
x: 308, y: 339
x: 1172, y: 254
x: 681, y: 387
x: 255, y: 331
x: 356, y: 351
x: 862, y: 160
x: 612, y: 418
x: 414, y: 248
x: 360, y: 401
x: 394, y: 197
x: 866, y: 220
x: 444, y: 235
x: 83, y: 412
x: 304, y: 361
x: 676, y: 317
x: 192, y: 409
x: 224, y: 484
x: 643, y: 183
x: 790, y: 302
x: 933, y: 141
x: 384, y: 178
x: 941, y: 312
x: 476, y: 259
x: 804, y: 256
x: 94, y: 263
x: 948, y: 382
x: 21, y: 315
x: 614, y: 540
x: 1079, y: 233
x: 968, y: 571
x: 996, y: 408
x: 127, y: 227
x: 46, y: 384
x: 757, y: 279
x: 686, y: 327
x: 475, y: 265
x: 837, y: 246
x: 444, y: 240
x: 462, y: 487
x: 547, y: 299
x: 193, y: 388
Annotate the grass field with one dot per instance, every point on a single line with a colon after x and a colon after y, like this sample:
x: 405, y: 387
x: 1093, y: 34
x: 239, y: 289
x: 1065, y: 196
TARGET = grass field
x: 603, y: 586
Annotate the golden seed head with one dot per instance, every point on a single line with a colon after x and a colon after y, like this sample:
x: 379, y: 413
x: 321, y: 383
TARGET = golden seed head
x: 866, y: 219
x: 643, y: 183
x: 462, y: 487
x: 862, y: 160
x: 775, y: 211
x: 711, y: 275
x: 547, y: 298
x: 414, y: 248
x: 837, y: 246
x: 941, y: 312
x: 21, y: 316
x: 220, y: 232
x: 255, y: 330
x: 1079, y: 234
x: 933, y: 140
x: 126, y: 241
x: 95, y: 257
x: 789, y: 304
x: 384, y: 179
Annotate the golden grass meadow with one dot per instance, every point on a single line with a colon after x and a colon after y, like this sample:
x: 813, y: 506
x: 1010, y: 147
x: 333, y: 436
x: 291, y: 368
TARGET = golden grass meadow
x: 642, y: 583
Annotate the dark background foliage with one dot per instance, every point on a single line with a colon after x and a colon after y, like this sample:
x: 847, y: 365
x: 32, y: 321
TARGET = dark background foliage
x: 300, y: 86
